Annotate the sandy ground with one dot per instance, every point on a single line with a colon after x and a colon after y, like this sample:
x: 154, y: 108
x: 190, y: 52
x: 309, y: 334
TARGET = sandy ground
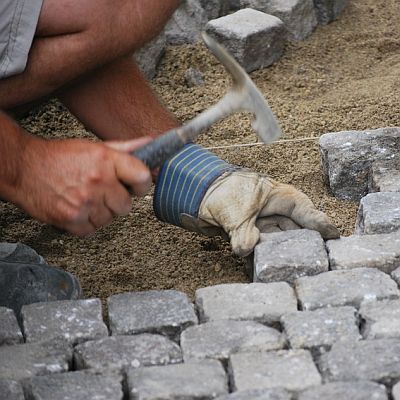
x: 345, y: 76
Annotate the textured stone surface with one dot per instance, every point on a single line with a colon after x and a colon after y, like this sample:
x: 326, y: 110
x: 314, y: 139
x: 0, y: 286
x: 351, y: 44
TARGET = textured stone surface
x: 262, y: 302
x: 286, y: 256
x: 396, y: 391
x: 361, y: 390
x: 371, y: 251
x: 379, y: 213
x: 258, y: 394
x: 193, y: 77
x: 11, y: 390
x: 374, y: 360
x: 149, y: 56
x: 293, y: 370
x: 328, y: 10
x: 73, y: 321
x: 254, y: 38
x: 120, y: 352
x: 215, y: 8
x: 202, y: 380
x: 10, y: 333
x: 186, y: 23
x: 385, y: 176
x: 321, y: 328
x: 347, y: 158
x: 78, y: 385
x: 220, y: 339
x: 19, y: 252
x: 26, y: 360
x: 345, y: 287
x: 396, y: 276
x: 167, y: 312
x: 381, y: 319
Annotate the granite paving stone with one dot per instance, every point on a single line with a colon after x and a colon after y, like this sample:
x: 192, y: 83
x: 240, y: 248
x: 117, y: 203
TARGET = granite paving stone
x: 293, y: 370
x: 258, y: 394
x: 345, y: 287
x: 396, y: 391
x: 361, y: 390
x: 286, y: 256
x: 321, y: 328
x: 374, y: 360
x: 378, y: 213
x: 255, y: 39
x: 11, y: 390
x: 190, y: 381
x: 396, y: 275
x: 149, y: 56
x: 381, y: 319
x: 76, y: 385
x: 120, y: 352
x: 385, y: 176
x: 73, y: 321
x: 10, y: 333
x: 29, y: 359
x: 215, y: 8
x: 167, y: 312
x: 328, y: 10
x: 220, y: 339
x: 262, y: 302
x: 370, y: 251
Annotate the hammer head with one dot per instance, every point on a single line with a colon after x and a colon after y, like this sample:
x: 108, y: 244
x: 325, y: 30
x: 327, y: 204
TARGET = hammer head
x: 244, y: 95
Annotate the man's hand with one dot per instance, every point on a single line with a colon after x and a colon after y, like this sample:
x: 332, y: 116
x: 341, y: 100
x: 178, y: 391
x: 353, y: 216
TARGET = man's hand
x: 78, y: 185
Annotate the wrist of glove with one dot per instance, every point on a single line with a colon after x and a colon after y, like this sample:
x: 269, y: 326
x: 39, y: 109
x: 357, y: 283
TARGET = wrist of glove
x: 200, y: 192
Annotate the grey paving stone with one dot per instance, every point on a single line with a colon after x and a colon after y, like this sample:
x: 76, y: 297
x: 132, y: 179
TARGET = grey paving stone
x: 378, y: 213
x: 202, y: 380
x: 385, y: 176
x: 258, y: 394
x: 10, y: 333
x: 220, y: 339
x: 293, y: 370
x: 347, y: 158
x: 26, y: 360
x: 370, y: 251
x: 286, y: 256
x: 321, y: 328
x: 150, y: 55
x: 167, y: 312
x: 381, y: 319
x: 215, y: 8
x: 361, y: 390
x: 345, y: 287
x: 120, y: 352
x: 373, y: 360
x: 77, y: 385
x: 396, y: 276
x: 11, y: 390
x: 396, y: 391
x: 74, y: 321
x: 262, y: 302
x: 254, y: 38
x: 329, y: 10
x: 19, y: 252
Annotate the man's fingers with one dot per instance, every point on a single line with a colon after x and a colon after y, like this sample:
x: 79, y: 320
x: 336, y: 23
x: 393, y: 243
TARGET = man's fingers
x: 118, y: 200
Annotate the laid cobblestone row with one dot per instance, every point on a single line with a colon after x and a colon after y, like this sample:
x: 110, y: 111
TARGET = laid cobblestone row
x: 10, y: 333
x: 11, y: 390
x: 258, y: 394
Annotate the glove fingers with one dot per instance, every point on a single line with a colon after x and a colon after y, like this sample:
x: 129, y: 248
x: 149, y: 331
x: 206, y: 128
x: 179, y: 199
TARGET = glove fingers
x: 244, y: 238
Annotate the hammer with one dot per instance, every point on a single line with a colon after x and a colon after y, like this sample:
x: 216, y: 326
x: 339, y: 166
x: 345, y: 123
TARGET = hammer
x: 242, y: 96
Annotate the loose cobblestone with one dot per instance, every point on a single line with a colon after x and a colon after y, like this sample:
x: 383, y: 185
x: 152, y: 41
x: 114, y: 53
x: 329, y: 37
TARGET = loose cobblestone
x: 167, y: 312
x: 374, y: 360
x: 258, y: 394
x: 361, y: 390
x: 345, y: 287
x: 321, y: 328
x: 10, y: 333
x: 149, y: 56
x: 73, y: 321
x: 381, y: 319
x: 328, y: 10
x: 190, y: 381
x: 396, y: 391
x: 120, y: 352
x: 286, y: 256
x: 11, y: 390
x: 385, y: 176
x: 262, y: 302
x: 220, y: 339
x: 371, y: 251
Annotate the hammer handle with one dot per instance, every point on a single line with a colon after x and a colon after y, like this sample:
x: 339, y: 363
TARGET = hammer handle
x: 160, y: 149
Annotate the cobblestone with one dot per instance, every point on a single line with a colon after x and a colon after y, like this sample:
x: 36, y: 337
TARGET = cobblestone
x: 381, y: 319
x: 167, y: 312
x: 73, y: 321
x: 120, y: 352
x: 286, y: 256
x: 190, y: 381
x: 385, y: 176
x: 10, y: 333
x: 321, y: 328
x: 371, y: 251
x: 396, y: 391
x: 396, y: 276
x: 374, y: 360
x: 345, y: 287
x: 293, y: 370
x: 328, y: 10
x: 258, y: 394
x: 11, y: 390
x: 220, y: 339
x: 262, y: 302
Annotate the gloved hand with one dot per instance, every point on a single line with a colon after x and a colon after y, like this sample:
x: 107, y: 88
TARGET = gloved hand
x: 198, y: 191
